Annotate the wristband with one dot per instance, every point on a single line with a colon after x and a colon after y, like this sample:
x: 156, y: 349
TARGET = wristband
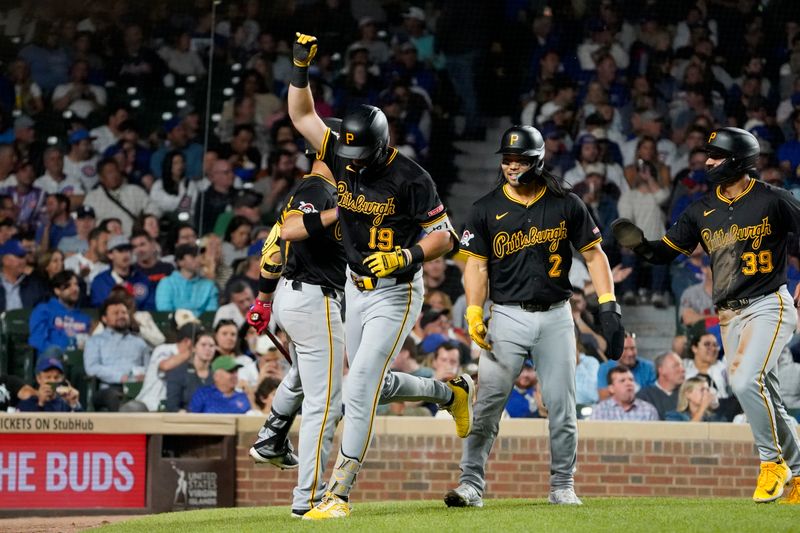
x: 299, y: 77
x: 266, y: 285
x: 416, y: 255
x: 313, y: 223
x: 607, y: 297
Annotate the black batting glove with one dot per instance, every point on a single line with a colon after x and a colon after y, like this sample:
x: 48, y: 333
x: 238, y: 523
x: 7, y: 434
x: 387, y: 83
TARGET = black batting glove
x: 613, y: 332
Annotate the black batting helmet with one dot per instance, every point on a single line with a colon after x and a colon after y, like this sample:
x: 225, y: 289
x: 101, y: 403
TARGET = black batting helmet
x: 364, y: 135
x: 525, y: 141
x: 739, y: 148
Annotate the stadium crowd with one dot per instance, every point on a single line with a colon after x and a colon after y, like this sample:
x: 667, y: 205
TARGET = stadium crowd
x: 132, y: 216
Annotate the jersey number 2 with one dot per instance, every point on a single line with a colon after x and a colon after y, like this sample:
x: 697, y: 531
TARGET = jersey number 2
x: 381, y: 238
x: 757, y: 263
x: 555, y: 270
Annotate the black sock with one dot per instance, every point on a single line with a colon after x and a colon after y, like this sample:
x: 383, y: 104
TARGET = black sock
x: 450, y: 401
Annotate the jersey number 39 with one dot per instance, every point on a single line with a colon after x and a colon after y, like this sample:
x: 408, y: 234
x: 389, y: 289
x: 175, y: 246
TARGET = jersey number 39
x: 757, y: 263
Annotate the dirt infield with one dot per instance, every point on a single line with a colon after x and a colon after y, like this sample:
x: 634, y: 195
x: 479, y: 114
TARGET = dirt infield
x: 57, y: 524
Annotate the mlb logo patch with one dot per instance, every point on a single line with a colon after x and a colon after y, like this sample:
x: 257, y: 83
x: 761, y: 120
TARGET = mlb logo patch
x: 436, y: 210
x: 596, y: 230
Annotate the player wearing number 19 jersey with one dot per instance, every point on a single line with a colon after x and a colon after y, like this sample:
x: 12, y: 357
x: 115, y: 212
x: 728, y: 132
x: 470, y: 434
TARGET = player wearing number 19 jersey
x: 742, y: 223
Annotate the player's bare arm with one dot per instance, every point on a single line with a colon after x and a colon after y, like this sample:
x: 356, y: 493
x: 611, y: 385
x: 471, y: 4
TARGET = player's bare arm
x: 301, y: 102
x: 296, y: 227
x: 476, y: 287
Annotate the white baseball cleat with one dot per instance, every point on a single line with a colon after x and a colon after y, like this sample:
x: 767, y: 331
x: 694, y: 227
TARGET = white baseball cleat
x: 564, y: 497
x: 464, y: 495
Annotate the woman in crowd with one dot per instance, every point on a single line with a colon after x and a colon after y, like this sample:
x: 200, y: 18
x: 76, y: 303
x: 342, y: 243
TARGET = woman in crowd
x: 183, y: 380
x: 174, y: 193
x: 695, y: 400
x: 226, y: 338
x: 237, y: 240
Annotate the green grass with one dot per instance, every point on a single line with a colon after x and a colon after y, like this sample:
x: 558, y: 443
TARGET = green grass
x: 597, y: 514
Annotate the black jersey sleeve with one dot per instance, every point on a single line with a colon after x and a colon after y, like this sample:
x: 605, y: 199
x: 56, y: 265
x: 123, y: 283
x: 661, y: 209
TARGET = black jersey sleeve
x: 310, y: 197
x: 426, y: 207
x: 582, y: 231
x: 788, y: 209
x: 475, y: 239
x: 683, y: 236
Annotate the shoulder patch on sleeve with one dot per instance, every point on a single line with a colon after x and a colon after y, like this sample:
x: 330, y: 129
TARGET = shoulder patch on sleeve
x: 466, y: 237
x: 307, y: 207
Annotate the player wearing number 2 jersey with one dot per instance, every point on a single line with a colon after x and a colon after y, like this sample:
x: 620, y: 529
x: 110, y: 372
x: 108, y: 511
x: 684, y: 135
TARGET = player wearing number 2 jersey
x: 518, y: 242
x: 742, y: 223
x: 392, y: 221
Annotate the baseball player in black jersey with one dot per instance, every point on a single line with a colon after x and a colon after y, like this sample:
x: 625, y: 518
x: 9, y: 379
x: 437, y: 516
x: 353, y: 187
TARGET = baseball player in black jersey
x: 308, y: 306
x: 518, y: 242
x: 742, y: 223
x: 392, y: 220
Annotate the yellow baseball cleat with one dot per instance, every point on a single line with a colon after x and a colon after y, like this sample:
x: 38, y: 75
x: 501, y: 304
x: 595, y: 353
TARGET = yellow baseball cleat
x: 793, y: 496
x: 771, y: 481
x: 461, y: 408
x: 331, y: 506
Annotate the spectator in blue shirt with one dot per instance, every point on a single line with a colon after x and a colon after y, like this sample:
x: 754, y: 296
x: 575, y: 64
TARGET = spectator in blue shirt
x: 177, y: 139
x: 59, y: 223
x: 122, y: 273
x: 644, y: 371
x: 221, y: 397
x: 58, y: 322
x: 522, y: 400
x: 114, y: 356
x: 789, y: 152
x: 53, y: 395
x: 185, y: 288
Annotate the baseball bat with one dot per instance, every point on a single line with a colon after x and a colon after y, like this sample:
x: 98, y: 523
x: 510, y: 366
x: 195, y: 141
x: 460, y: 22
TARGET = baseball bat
x: 279, y: 345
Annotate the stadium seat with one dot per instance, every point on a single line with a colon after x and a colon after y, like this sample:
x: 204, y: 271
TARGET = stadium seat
x: 165, y: 322
x: 20, y: 358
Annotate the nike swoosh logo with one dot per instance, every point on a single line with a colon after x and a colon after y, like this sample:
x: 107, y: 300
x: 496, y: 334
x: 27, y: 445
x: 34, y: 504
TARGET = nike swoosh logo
x: 498, y: 217
x: 773, y: 489
x: 706, y: 213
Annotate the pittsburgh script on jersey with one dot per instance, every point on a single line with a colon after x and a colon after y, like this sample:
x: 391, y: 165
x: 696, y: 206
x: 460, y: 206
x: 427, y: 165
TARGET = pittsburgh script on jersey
x: 722, y: 238
x: 507, y: 244
x: 359, y: 204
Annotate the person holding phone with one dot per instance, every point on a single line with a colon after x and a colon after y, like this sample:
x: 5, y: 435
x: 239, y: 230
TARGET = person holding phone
x: 53, y: 394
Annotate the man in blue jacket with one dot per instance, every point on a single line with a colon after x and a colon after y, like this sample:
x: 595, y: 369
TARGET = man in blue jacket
x: 185, y: 288
x: 18, y: 290
x: 122, y: 272
x: 58, y: 322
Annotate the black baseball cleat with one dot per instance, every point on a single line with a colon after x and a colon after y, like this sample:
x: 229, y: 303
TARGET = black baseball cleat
x: 299, y: 513
x: 285, y: 460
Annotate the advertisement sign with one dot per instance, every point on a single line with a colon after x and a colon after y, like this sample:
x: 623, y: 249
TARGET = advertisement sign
x: 61, y: 471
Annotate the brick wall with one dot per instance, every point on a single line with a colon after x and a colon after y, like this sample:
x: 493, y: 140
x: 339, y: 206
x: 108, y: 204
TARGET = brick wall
x: 418, y: 459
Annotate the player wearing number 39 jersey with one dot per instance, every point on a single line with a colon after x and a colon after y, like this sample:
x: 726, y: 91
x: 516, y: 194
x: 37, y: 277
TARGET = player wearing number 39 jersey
x: 518, y: 242
x: 742, y: 223
x: 392, y: 221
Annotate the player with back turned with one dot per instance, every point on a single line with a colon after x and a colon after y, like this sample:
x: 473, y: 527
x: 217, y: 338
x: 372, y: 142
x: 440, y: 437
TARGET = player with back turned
x: 518, y: 242
x: 392, y: 221
x: 742, y: 223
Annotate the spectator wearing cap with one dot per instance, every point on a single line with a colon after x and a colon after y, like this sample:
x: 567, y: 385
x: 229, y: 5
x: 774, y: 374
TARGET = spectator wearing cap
x: 114, y: 198
x: 185, y: 288
x: 415, y: 30
x: 601, y: 39
x: 221, y: 397
x: 53, y: 394
x: 57, y: 222
x: 408, y: 65
x: 789, y: 152
x: 28, y: 200
x: 84, y: 224
x: 368, y: 38
x: 122, y: 272
x: 25, y: 142
x: 110, y: 133
x: 58, y: 321
x: 175, y: 194
x: 241, y: 298
x: 80, y: 163
x: 79, y: 96
x: 690, y: 185
x: 164, y: 358
x: 178, y: 139
x: 17, y: 289
x: 91, y: 262
x: 54, y: 180
x: 115, y: 355
x: 522, y: 399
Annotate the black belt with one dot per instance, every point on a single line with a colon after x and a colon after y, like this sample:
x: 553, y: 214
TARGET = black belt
x: 734, y: 305
x: 330, y: 292
x: 534, y: 307
x: 367, y: 283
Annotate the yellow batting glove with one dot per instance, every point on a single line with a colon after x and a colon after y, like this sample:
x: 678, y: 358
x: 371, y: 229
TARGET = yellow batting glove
x: 384, y: 263
x: 477, y: 329
x: 304, y: 49
x: 271, y: 261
